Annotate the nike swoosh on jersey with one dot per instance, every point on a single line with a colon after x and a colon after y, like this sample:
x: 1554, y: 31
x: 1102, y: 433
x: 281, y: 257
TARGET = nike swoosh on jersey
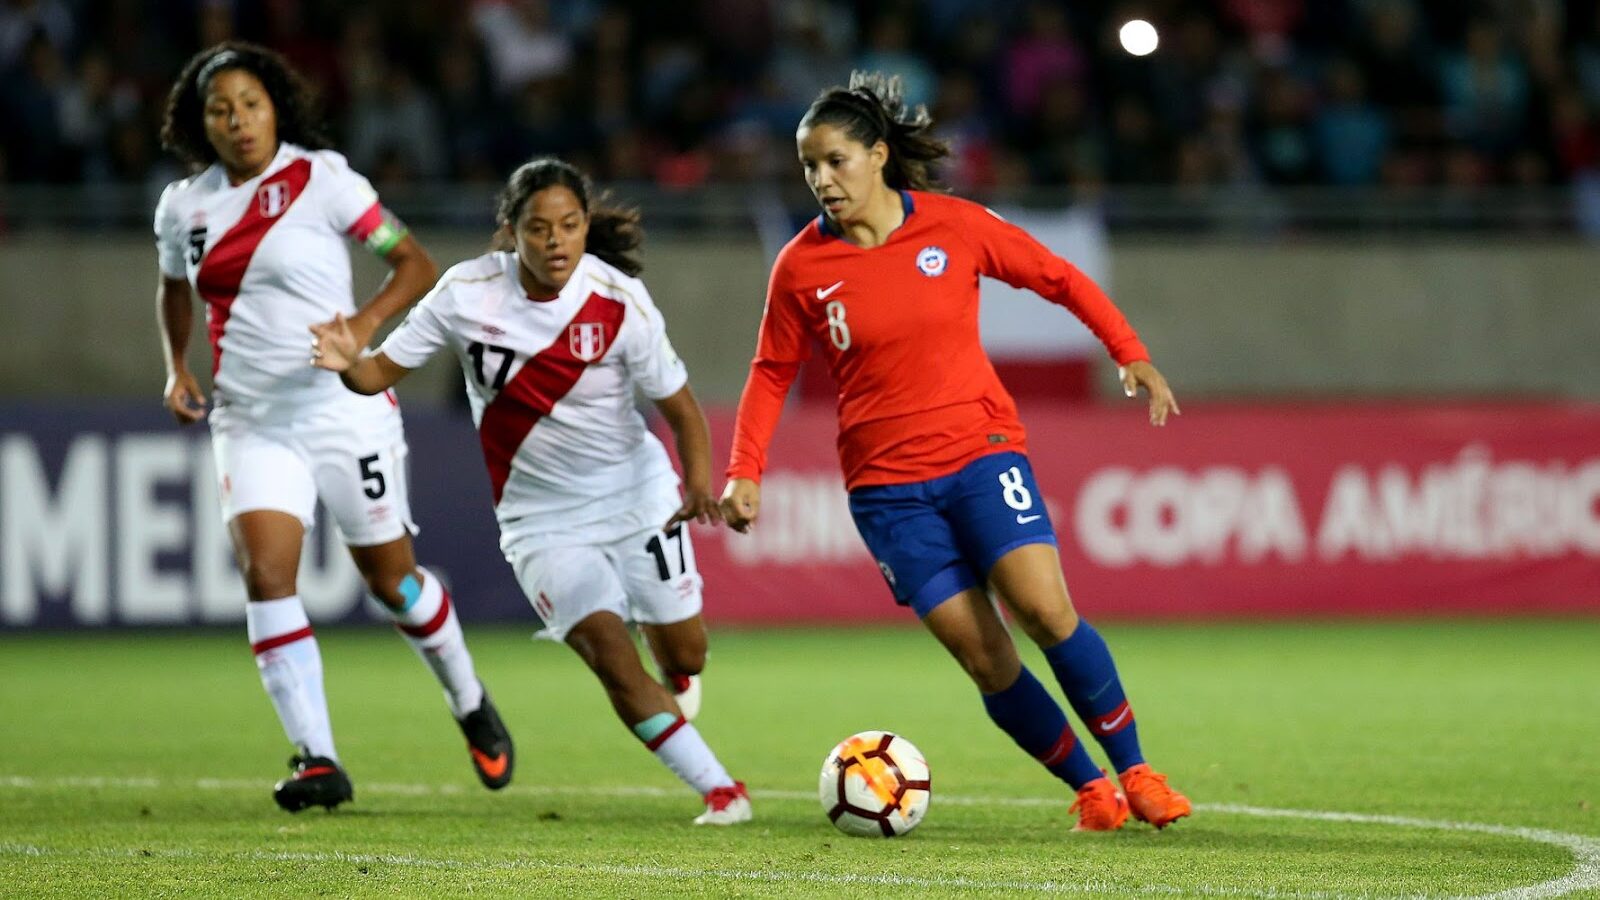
x: 822, y: 293
x: 1023, y: 520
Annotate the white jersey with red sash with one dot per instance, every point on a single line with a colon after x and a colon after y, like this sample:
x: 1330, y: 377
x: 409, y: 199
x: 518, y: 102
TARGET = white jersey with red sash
x: 551, y: 383
x: 269, y: 258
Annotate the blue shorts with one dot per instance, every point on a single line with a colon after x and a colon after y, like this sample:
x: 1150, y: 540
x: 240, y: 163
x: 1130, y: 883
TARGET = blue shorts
x: 933, y: 539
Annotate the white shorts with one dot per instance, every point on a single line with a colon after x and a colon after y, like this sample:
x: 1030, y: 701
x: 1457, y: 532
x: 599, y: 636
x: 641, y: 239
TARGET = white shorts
x: 350, y: 454
x: 648, y: 577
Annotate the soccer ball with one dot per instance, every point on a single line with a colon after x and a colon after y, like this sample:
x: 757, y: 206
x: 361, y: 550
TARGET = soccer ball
x: 874, y: 784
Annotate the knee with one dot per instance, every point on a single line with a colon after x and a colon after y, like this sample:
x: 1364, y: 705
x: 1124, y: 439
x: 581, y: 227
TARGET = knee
x: 1047, y: 624
x: 618, y: 674
x: 613, y: 660
x: 267, y: 580
x: 991, y: 665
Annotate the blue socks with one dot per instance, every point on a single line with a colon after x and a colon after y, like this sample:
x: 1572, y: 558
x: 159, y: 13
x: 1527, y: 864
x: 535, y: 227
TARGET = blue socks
x: 1028, y: 713
x: 1083, y: 666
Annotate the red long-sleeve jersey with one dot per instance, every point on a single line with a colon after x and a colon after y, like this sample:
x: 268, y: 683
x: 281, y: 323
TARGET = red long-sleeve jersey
x: 898, y: 326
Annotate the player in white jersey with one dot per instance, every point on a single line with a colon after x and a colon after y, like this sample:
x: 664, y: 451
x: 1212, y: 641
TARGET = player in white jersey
x: 259, y: 232
x: 554, y: 333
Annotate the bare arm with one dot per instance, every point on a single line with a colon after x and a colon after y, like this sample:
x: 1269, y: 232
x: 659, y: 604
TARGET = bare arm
x: 175, y: 314
x: 336, y: 349
x: 688, y: 423
x: 413, y: 273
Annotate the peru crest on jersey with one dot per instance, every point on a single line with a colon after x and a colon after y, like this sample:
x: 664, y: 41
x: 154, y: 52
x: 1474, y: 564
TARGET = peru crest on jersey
x: 587, y: 340
x: 273, y: 198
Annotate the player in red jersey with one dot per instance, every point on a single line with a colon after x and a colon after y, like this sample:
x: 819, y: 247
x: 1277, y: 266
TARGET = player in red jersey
x: 885, y: 282
x: 259, y: 231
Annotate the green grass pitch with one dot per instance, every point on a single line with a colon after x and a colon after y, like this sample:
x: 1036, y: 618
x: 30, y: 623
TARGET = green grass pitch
x: 1466, y: 755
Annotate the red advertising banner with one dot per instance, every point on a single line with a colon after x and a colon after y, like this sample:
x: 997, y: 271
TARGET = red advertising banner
x: 1230, y: 511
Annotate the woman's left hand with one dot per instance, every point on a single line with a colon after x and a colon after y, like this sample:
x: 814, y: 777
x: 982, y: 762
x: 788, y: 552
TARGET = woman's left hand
x: 698, y: 505
x: 1142, y: 374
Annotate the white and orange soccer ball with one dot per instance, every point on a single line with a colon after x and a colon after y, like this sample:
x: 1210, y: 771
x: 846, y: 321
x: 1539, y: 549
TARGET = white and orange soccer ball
x: 875, y: 784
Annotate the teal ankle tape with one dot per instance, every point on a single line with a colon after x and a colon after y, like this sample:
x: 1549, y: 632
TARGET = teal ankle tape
x: 411, y: 590
x: 651, y: 728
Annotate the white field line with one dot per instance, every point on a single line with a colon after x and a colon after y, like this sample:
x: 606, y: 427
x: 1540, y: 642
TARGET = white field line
x: 536, y: 866
x: 1585, y: 873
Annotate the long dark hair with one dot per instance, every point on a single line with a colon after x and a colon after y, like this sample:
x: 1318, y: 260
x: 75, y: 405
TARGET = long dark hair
x: 614, y: 231
x: 183, y: 129
x: 873, y: 109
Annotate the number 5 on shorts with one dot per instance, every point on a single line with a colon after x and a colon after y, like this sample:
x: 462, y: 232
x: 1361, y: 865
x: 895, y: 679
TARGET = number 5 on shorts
x: 368, y: 474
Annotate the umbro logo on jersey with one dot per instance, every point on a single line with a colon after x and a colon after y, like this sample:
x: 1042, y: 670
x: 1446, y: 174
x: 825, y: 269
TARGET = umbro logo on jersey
x: 587, y: 340
x: 274, y: 198
x: 492, y: 331
x: 822, y: 293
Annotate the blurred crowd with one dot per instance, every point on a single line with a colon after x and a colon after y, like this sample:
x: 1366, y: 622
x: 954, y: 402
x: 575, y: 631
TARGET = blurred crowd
x: 1400, y: 93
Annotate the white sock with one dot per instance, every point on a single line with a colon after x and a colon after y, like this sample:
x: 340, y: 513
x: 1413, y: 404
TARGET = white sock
x: 291, y: 671
x: 430, y: 625
x: 681, y: 749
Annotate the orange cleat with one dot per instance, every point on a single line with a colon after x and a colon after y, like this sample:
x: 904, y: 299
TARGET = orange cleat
x: 1151, y: 799
x: 1100, y: 807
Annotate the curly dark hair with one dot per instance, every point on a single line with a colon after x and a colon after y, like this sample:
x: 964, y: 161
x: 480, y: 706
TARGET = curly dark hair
x: 183, y: 129
x: 614, y: 231
x: 873, y: 109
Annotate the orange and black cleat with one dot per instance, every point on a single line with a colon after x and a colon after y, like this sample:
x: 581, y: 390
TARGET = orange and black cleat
x: 1100, y: 807
x: 313, y: 781
x: 1150, y: 799
x: 490, y: 745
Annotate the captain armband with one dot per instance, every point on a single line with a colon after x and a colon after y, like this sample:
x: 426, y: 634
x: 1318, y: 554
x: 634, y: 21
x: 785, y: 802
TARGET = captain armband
x: 380, y: 230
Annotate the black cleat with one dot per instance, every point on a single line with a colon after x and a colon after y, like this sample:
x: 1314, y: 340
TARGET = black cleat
x: 316, y: 781
x: 490, y: 745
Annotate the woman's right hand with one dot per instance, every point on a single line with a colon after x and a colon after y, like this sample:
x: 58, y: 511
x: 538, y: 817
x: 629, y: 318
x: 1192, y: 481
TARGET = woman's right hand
x: 741, y: 504
x: 183, y: 397
x: 335, y: 346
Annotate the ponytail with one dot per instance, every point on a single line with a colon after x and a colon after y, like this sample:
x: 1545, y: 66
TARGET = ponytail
x: 873, y: 109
